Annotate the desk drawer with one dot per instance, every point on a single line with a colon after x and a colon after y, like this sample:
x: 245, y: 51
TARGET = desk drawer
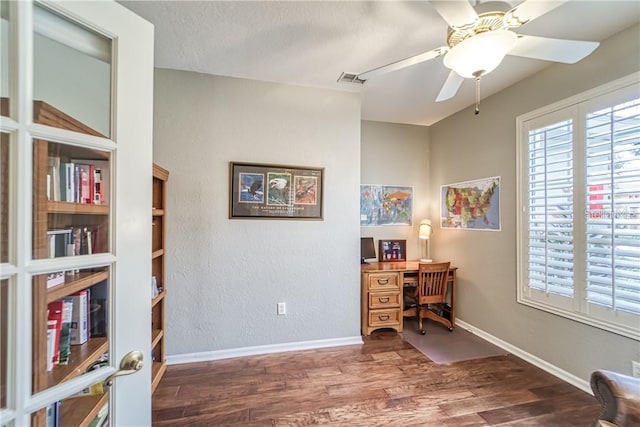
x: 384, y: 317
x: 383, y: 282
x: 380, y: 300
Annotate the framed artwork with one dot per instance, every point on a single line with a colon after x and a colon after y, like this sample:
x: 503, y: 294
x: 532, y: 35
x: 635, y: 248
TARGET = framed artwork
x: 471, y: 205
x: 385, y: 205
x: 267, y: 191
x: 392, y: 250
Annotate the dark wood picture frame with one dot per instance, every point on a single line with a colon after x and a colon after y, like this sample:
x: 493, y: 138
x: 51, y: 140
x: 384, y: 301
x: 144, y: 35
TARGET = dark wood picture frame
x: 270, y: 191
x: 392, y: 250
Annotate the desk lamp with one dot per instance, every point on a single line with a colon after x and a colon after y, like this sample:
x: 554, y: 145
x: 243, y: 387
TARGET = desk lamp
x: 424, y: 232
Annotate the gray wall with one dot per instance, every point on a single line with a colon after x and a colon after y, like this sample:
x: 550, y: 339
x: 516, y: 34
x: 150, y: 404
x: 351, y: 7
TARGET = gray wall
x: 397, y: 154
x: 224, y: 277
x: 465, y: 147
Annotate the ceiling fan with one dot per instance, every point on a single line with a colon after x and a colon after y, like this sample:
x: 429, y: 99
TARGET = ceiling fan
x: 479, y: 37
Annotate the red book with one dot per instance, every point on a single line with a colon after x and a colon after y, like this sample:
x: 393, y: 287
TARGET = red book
x: 55, y: 313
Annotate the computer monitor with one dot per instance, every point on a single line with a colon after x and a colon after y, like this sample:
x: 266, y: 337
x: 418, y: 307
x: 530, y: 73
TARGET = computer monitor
x: 367, y: 249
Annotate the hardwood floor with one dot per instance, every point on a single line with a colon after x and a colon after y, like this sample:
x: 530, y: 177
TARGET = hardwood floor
x: 385, y: 382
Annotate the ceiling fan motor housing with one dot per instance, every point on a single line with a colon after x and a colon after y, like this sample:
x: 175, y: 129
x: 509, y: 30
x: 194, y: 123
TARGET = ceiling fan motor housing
x: 488, y: 21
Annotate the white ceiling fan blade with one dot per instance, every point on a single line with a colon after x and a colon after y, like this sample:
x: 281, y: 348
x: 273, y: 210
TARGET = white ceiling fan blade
x: 403, y: 63
x: 548, y: 49
x: 450, y: 86
x: 457, y: 13
x: 530, y: 10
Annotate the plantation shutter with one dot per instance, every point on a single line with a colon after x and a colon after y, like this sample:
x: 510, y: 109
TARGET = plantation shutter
x: 550, y: 215
x: 612, y: 161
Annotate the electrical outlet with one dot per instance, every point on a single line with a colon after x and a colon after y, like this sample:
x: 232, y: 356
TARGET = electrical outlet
x: 282, y: 309
x: 635, y: 368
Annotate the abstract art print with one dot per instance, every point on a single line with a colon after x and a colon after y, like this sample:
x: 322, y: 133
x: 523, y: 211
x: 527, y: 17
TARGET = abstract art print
x: 275, y: 191
x: 385, y: 205
x: 471, y: 205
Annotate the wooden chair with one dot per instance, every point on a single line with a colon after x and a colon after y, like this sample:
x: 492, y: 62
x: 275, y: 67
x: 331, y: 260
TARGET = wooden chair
x: 428, y: 299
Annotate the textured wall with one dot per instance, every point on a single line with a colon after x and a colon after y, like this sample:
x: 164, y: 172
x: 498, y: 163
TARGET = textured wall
x: 224, y: 277
x: 465, y: 147
x: 397, y: 154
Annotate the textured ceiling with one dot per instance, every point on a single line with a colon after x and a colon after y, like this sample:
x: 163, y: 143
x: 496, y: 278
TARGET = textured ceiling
x: 311, y: 43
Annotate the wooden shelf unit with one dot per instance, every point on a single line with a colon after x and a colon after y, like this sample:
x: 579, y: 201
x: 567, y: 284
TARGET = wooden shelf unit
x: 158, y: 240
x: 48, y: 215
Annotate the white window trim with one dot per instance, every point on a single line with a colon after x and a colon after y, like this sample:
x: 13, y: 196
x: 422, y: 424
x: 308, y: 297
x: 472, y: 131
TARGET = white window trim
x: 575, y: 308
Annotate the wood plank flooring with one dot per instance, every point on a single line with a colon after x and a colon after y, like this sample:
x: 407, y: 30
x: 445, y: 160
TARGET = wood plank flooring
x: 385, y: 382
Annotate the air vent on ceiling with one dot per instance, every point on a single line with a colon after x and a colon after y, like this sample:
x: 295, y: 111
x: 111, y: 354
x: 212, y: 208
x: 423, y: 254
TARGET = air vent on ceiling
x: 350, y: 78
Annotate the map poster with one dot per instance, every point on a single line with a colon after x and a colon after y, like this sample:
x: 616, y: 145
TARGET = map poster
x: 471, y: 205
x: 385, y: 205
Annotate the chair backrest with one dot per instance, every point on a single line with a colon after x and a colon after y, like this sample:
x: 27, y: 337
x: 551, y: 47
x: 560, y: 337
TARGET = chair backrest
x: 432, y: 282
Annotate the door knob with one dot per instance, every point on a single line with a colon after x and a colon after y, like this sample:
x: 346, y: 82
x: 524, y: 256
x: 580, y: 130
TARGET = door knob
x: 130, y: 364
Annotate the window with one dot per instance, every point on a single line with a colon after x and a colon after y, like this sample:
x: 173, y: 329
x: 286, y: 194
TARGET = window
x: 579, y: 222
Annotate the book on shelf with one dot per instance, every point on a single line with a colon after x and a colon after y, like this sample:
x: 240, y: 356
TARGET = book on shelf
x: 81, y: 187
x: 98, y: 185
x: 78, y: 180
x: 52, y: 333
x: 53, y: 178
x: 98, y: 177
x: 102, y: 178
x: 53, y: 415
x: 67, y: 182
x: 80, y: 318
x: 84, y: 179
x: 87, y: 239
x: 59, y: 242
x: 88, y: 290
x: 55, y: 278
x: 102, y: 418
x: 55, y: 314
x: 65, y: 331
x: 92, y: 390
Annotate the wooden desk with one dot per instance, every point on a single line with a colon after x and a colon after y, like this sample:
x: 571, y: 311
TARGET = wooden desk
x: 382, y: 284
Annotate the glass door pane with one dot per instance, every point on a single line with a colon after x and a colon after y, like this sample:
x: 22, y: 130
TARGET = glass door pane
x: 71, y: 179
x: 70, y: 319
x: 71, y: 200
x: 72, y: 73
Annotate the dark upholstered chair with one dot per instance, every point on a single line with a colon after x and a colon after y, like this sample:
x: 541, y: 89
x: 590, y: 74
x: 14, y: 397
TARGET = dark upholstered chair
x: 619, y: 396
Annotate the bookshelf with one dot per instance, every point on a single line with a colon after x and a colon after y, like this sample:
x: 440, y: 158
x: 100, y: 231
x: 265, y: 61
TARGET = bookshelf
x: 89, y: 223
x: 158, y: 240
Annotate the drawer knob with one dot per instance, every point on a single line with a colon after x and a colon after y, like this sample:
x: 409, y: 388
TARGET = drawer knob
x: 383, y: 299
x: 383, y: 281
x: 383, y: 317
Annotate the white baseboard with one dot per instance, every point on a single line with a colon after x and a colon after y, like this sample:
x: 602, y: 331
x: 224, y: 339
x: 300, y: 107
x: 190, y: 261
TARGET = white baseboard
x: 534, y: 360
x: 206, y: 356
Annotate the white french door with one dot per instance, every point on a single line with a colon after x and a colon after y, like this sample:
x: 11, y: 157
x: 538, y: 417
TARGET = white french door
x: 75, y: 224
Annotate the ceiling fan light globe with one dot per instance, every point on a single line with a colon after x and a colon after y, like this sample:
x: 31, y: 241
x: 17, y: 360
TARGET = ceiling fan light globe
x: 480, y: 54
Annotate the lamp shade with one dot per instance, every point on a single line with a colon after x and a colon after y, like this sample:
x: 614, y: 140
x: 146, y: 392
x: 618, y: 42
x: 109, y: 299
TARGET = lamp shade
x: 425, y: 229
x: 480, y: 54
